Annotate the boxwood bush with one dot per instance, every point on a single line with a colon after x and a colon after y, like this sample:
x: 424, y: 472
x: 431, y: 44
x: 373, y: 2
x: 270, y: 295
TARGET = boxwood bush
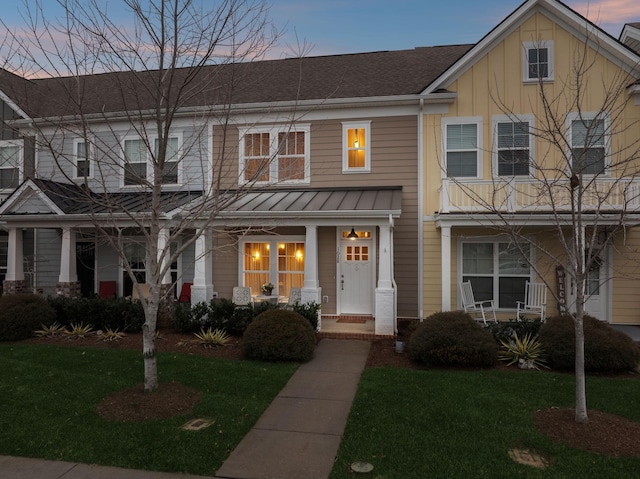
x: 605, y: 349
x: 452, y: 339
x: 505, y: 330
x: 122, y: 314
x: 279, y: 335
x: 22, y: 314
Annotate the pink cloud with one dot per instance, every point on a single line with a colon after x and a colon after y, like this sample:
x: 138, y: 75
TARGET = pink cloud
x: 608, y: 11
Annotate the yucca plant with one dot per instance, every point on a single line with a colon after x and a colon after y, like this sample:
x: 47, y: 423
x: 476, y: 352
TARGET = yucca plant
x: 112, y: 335
x: 527, y: 352
x: 79, y: 330
x: 212, y: 337
x: 49, y: 331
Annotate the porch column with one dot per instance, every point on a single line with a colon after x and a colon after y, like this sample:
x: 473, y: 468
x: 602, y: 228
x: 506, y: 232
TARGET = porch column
x: 68, y: 284
x: 202, y: 288
x: 445, y: 255
x: 14, y: 279
x: 385, y: 300
x: 311, y: 292
x: 163, y: 260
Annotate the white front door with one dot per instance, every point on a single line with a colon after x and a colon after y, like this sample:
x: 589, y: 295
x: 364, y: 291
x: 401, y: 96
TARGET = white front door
x: 356, y: 276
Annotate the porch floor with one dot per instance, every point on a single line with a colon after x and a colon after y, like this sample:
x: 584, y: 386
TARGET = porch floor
x: 332, y: 327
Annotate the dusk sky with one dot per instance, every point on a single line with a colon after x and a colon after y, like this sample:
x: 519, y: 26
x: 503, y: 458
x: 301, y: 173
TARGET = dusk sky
x: 350, y: 26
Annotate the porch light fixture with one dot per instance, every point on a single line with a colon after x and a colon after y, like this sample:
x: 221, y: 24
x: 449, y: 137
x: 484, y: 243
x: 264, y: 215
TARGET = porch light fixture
x: 353, y: 235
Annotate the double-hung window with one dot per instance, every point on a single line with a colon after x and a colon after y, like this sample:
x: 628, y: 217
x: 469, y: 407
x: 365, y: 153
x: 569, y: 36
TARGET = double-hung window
x: 136, y: 256
x: 356, y: 150
x: 497, y: 270
x: 269, y: 260
x: 513, y: 147
x: 135, y: 161
x: 138, y: 165
x: 537, y: 61
x: 588, y: 144
x: 462, y: 147
x: 82, y: 159
x: 274, y: 155
x: 10, y: 163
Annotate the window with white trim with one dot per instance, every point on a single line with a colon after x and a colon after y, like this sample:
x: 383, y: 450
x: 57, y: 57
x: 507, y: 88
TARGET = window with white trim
x: 274, y: 155
x: 537, y: 61
x: 11, y: 152
x: 136, y: 255
x: 356, y: 149
x: 284, y: 269
x: 497, y: 270
x: 82, y: 159
x: 589, y: 144
x: 513, y: 147
x: 138, y: 163
x: 462, y: 147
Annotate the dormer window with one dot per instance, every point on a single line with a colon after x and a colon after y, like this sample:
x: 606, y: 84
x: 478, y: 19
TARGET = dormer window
x: 537, y: 64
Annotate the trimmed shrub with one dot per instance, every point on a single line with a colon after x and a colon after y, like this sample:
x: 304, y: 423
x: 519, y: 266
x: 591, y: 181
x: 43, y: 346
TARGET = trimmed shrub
x: 505, y: 330
x: 120, y: 313
x: 452, y: 339
x: 279, y: 335
x: 22, y: 314
x: 605, y: 349
x: 309, y: 311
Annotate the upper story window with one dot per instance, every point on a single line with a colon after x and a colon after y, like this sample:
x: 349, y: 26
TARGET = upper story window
x: 513, y: 146
x: 537, y: 61
x: 356, y: 149
x: 274, y: 155
x: 588, y: 144
x: 462, y: 147
x: 138, y: 167
x: 10, y: 164
x: 82, y: 159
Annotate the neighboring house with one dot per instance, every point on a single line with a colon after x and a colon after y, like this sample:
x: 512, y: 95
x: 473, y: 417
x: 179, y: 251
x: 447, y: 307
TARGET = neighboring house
x: 483, y: 164
x: 361, y: 205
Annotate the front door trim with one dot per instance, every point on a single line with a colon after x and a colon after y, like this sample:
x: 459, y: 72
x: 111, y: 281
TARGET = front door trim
x: 372, y: 243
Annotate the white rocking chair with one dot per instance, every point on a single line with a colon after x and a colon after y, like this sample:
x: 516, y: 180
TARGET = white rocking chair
x: 478, y: 309
x: 535, y: 300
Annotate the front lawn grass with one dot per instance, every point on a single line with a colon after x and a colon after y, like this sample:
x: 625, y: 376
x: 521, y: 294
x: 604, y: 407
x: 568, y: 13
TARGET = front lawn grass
x: 49, y: 395
x: 460, y: 424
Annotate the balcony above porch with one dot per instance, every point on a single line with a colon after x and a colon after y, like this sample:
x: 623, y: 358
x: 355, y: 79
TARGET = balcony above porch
x: 532, y: 195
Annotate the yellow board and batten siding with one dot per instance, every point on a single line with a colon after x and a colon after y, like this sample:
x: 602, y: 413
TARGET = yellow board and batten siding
x: 495, y: 79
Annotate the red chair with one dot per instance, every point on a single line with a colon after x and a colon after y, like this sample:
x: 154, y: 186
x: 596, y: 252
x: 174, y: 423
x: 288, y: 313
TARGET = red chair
x: 107, y: 289
x: 185, y: 293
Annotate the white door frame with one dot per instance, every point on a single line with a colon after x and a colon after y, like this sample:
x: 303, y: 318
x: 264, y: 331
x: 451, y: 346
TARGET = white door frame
x: 373, y: 255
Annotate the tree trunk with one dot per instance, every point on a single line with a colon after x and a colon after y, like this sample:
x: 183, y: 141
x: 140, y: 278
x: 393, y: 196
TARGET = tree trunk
x: 149, y: 346
x: 581, y: 390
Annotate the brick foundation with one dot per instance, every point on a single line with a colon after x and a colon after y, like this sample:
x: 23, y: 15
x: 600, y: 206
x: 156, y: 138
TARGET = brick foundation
x: 69, y: 290
x: 14, y: 287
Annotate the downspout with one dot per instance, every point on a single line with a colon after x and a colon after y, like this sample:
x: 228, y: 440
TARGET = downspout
x: 420, y: 211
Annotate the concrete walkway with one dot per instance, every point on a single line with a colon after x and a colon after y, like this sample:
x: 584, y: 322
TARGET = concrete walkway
x: 297, y: 437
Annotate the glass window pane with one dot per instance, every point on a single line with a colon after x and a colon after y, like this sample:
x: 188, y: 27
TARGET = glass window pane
x: 461, y: 164
x: 511, y: 290
x: 462, y: 137
x: 482, y: 287
x: 511, y: 261
x: 477, y: 258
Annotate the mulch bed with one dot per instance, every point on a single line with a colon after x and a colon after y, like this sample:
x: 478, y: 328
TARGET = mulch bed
x: 604, y: 434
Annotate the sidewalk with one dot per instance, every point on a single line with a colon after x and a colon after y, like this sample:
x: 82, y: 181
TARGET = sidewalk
x: 297, y: 437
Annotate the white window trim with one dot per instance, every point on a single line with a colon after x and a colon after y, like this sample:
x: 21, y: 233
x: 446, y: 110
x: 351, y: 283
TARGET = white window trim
x: 273, y: 131
x: 152, y: 141
x: 273, y: 258
x: 90, y: 158
x: 463, y: 120
x: 123, y: 270
x: 571, y: 117
x: 494, y: 151
x: 346, y: 126
x: 526, y: 46
x: 20, y: 145
x: 493, y: 240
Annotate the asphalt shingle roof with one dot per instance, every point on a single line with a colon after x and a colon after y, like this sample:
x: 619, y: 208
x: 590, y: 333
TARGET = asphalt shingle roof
x: 384, y: 73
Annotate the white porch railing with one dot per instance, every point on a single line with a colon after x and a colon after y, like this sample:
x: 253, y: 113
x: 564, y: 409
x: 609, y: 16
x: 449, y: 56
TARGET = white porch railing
x: 527, y: 195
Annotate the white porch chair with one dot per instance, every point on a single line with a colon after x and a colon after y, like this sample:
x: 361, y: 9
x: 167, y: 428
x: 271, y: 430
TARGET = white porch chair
x: 535, y: 300
x: 242, y: 296
x: 480, y: 310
